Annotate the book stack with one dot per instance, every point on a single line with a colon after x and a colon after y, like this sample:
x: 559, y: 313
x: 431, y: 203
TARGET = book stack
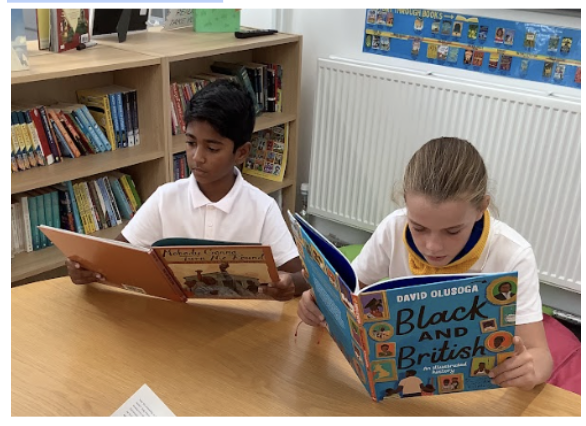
x: 180, y: 166
x: 262, y: 81
x: 43, y: 135
x: 115, y: 109
x: 84, y: 206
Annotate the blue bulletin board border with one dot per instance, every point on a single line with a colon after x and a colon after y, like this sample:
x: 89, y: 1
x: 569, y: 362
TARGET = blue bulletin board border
x: 526, y: 51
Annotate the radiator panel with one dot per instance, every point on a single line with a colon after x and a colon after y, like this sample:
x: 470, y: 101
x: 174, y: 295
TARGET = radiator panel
x: 369, y: 121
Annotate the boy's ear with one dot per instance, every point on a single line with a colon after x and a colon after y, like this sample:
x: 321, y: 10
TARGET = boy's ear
x: 242, y: 153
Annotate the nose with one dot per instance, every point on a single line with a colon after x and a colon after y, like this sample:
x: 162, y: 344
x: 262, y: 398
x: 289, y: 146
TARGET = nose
x: 198, y: 155
x: 433, y: 244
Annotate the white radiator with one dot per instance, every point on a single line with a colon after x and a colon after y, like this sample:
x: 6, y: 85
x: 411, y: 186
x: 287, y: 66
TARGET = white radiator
x: 369, y: 120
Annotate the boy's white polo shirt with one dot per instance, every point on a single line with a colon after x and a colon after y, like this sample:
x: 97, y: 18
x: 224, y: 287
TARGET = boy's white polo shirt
x: 245, y: 214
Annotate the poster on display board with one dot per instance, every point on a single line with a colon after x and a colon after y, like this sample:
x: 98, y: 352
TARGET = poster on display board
x: 526, y: 51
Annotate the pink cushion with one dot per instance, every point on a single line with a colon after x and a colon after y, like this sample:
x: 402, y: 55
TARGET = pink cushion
x: 565, y: 350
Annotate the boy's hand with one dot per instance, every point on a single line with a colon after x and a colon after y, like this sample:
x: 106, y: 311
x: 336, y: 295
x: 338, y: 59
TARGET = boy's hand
x: 308, y: 311
x: 517, y: 371
x: 80, y: 275
x: 282, y: 290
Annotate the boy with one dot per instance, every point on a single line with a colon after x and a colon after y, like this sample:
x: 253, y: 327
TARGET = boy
x: 215, y: 202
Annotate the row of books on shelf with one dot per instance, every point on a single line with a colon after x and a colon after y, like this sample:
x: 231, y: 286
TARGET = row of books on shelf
x: 262, y: 81
x: 180, y: 166
x: 84, y: 206
x: 105, y: 119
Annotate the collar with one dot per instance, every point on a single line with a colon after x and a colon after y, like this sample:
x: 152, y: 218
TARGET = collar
x: 198, y: 199
x: 462, y: 263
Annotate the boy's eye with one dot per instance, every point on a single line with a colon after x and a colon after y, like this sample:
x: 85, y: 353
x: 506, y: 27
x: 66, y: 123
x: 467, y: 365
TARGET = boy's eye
x: 213, y: 149
x: 190, y: 143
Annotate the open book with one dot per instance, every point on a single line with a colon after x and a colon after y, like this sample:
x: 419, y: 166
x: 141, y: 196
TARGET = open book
x: 174, y: 268
x: 412, y: 336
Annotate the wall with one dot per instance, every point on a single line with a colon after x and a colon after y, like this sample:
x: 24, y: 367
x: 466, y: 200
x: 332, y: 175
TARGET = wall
x: 339, y: 32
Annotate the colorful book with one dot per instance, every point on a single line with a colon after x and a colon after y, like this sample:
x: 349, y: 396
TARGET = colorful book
x: 268, y: 154
x: 174, y: 268
x: 412, y: 336
x: 68, y: 28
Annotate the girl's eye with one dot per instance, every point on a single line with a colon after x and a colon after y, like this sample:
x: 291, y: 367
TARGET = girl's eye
x: 454, y: 232
x: 416, y: 229
x: 190, y: 143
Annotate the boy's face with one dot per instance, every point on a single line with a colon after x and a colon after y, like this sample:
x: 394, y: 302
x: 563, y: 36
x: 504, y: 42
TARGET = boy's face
x: 210, y: 156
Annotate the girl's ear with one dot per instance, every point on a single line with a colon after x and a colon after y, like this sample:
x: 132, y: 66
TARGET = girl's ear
x: 242, y: 153
x: 483, y: 206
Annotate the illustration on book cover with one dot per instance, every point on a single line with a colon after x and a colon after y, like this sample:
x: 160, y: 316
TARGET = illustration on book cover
x: 220, y: 272
x: 412, y: 336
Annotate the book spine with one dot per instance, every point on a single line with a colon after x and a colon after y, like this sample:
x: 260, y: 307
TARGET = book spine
x: 133, y: 190
x: 114, y: 111
x: 42, y: 219
x: 48, y: 206
x: 50, y: 134
x: 176, y: 98
x: 128, y: 193
x: 68, y: 141
x: 73, y: 133
x: 61, y: 139
x: 28, y: 140
x: 122, y: 120
x: 39, y: 155
x: 108, y: 188
x: 26, y: 221
x: 83, y: 209
x: 124, y: 206
x: 74, y: 207
x: 84, y: 139
x: 100, y: 204
x: 36, y: 118
x: 95, y: 207
x: 21, y: 154
x: 128, y: 116
x: 67, y: 220
x: 88, y: 130
x: 101, y: 137
x: 17, y: 162
x: 34, y: 222
x: 134, y: 96
x: 107, y: 205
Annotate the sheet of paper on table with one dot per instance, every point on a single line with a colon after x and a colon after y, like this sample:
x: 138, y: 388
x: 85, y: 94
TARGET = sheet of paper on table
x: 144, y: 403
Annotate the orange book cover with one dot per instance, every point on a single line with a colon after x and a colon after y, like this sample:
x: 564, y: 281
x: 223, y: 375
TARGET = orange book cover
x: 175, y: 269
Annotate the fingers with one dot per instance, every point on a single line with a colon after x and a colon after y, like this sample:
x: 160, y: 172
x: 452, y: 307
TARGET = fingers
x: 80, y: 275
x: 308, y: 311
x: 282, y: 290
x: 517, y: 371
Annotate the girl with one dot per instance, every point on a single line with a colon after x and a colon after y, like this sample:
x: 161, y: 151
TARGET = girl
x: 446, y: 228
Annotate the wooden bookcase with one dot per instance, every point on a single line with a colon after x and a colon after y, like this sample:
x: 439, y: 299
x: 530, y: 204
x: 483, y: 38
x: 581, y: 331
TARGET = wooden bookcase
x: 147, y: 62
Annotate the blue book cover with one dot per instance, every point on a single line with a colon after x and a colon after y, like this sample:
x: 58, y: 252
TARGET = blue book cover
x: 412, y: 336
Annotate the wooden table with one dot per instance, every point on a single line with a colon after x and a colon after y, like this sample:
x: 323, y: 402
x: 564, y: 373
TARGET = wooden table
x: 84, y: 350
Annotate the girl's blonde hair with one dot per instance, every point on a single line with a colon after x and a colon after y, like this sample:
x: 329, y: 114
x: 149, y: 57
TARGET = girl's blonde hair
x: 447, y: 169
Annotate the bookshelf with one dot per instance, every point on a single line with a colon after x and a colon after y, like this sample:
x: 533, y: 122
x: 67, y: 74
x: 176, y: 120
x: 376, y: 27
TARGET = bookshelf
x: 147, y: 62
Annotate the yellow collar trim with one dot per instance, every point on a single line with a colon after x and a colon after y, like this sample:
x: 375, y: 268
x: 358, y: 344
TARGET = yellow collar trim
x: 419, y: 266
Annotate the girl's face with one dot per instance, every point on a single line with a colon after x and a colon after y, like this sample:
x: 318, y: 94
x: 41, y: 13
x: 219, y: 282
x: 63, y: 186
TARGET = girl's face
x: 440, y: 231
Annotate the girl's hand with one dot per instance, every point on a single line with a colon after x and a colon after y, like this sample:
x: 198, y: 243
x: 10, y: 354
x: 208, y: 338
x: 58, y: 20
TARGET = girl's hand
x: 308, y: 311
x: 517, y: 371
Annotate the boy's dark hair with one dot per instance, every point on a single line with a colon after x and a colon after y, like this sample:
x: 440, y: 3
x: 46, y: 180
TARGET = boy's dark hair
x: 227, y: 107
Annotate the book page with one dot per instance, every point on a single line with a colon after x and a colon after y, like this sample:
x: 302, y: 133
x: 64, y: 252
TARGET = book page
x: 144, y: 403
